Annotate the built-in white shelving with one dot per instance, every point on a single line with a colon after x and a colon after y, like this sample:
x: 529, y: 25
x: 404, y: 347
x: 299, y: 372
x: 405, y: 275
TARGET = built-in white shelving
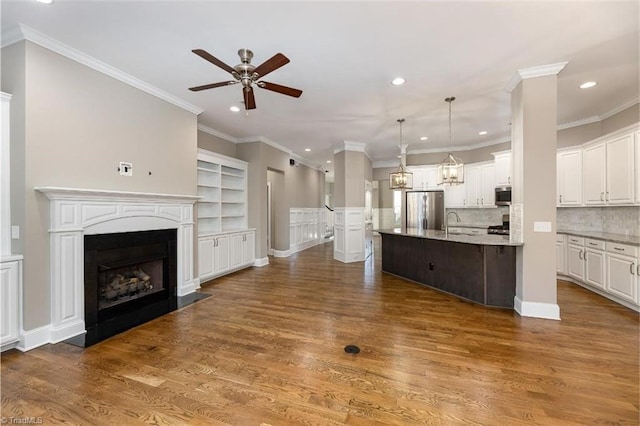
x: 222, y: 184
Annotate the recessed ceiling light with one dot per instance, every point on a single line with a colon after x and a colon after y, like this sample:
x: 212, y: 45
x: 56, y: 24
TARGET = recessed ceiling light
x: 307, y: 149
x: 588, y: 84
x: 482, y: 132
x: 234, y: 108
x: 398, y: 81
x: 45, y: 1
x: 424, y: 138
x: 399, y: 156
x: 329, y: 161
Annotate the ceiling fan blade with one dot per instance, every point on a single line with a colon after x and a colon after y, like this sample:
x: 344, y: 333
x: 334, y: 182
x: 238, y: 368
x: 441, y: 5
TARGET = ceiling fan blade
x: 215, y: 61
x: 212, y: 85
x: 249, y: 99
x: 289, y: 91
x: 271, y: 64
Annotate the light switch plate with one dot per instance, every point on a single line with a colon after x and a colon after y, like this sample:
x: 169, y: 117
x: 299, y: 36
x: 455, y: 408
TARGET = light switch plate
x: 15, y: 232
x: 541, y: 226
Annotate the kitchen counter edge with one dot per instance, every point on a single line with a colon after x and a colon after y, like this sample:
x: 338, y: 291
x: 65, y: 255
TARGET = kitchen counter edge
x: 487, y: 240
x: 604, y: 236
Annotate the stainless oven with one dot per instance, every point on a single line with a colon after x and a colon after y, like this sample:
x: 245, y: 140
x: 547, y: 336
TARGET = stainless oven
x: 503, y: 195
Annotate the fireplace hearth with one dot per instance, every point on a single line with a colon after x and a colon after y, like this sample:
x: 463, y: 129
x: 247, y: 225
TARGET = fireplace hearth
x: 130, y: 278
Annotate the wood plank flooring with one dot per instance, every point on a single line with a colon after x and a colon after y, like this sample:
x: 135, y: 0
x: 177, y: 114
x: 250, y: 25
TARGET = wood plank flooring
x: 267, y: 349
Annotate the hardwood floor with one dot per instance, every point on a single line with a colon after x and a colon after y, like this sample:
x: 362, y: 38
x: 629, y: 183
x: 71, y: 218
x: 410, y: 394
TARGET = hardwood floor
x: 268, y: 349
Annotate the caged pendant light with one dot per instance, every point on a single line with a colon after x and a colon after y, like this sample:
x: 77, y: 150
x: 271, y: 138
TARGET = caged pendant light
x: 401, y: 179
x: 450, y: 170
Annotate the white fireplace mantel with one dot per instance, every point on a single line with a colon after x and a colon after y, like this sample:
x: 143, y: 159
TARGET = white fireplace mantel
x: 75, y: 212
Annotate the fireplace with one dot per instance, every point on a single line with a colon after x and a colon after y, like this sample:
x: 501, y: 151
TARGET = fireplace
x: 129, y: 278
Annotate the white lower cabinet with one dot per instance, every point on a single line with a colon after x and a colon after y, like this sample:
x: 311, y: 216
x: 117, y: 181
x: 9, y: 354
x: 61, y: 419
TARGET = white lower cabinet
x: 575, y: 259
x: 622, y: 271
x: 561, y: 263
x: 608, y: 268
x: 594, y: 262
x: 10, y: 279
x: 224, y: 253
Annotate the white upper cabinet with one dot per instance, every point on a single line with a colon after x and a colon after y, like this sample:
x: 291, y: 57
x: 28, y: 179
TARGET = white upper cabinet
x: 472, y: 177
x: 424, y: 177
x: 480, y: 185
x: 569, y: 178
x: 638, y: 167
x: 609, y: 171
x: 503, y: 168
x: 620, y: 170
x: 455, y: 195
x: 487, y: 185
x: 594, y: 176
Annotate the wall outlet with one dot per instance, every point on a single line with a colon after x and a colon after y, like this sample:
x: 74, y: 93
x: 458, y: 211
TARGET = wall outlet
x: 15, y: 232
x: 541, y: 226
x: 126, y: 169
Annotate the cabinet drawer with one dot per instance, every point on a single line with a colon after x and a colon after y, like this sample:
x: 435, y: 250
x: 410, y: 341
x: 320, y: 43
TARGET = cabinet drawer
x: 594, y: 244
x: 624, y: 249
x: 575, y: 240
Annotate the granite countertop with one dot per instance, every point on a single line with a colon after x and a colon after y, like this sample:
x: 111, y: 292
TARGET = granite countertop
x: 606, y: 236
x: 482, y: 239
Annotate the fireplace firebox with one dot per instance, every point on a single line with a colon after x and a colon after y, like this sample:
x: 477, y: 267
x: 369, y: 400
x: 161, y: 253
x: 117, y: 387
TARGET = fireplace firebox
x: 129, y: 278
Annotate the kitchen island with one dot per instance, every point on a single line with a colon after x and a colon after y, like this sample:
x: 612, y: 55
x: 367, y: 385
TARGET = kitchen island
x: 478, y: 268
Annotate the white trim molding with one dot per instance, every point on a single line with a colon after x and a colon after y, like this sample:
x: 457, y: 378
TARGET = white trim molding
x: 533, y: 72
x: 306, y: 230
x: 23, y: 32
x: 536, y: 310
x: 74, y: 213
x: 261, y: 262
x: 217, y: 133
x: 353, y: 146
x: 349, y: 234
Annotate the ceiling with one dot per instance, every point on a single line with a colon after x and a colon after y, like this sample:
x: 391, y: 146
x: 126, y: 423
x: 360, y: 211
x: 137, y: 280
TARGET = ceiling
x: 345, y: 54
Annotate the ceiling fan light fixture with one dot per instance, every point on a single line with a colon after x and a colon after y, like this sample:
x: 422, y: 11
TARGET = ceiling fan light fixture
x: 451, y: 169
x: 402, y: 178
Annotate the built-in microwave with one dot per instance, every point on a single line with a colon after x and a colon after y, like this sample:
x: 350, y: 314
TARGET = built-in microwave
x: 503, y: 195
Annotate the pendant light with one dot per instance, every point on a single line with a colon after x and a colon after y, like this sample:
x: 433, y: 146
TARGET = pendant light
x: 402, y: 179
x: 450, y: 170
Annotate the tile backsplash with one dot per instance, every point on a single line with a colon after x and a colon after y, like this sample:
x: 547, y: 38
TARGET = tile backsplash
x: 615, y: 220
x: 486, y: 217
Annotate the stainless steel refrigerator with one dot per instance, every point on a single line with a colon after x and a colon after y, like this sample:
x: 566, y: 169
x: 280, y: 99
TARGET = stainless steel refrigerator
x: 425, y: 209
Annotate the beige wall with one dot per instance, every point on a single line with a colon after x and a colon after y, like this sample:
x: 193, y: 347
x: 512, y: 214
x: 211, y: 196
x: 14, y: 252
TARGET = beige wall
x: 471, y: 156
x: 339, y: 177
x: 216, y: 144
x: 303, y: 187
x: 622, y: 119
x: 579, y: 134
x: 357, y: 169
x: 79, y: 124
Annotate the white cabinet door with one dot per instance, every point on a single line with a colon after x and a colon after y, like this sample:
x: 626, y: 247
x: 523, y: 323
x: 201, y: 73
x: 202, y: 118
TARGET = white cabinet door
x: 431, y: 177
x: 595, y: 267
x: 454, y: 196
x: 472, y: 177
x: 249, y: 248
x: 637, y: 136
x: 594, y: 176
x: 9, y: 313
x: 221, y: 254
x: 205, y: 257
x: 487, y: 187
x: 569, y: 178
x: 236, y: 250
x: 503, y: 169
x: 620, y: 170
x: 622, y: 278
x: 560, y: 255
x: 575, y: 261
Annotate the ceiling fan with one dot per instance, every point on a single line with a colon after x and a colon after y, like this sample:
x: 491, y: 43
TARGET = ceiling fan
x: 248, y: 74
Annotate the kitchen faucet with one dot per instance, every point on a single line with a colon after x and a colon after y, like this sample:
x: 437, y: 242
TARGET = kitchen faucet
x: 446, y: 224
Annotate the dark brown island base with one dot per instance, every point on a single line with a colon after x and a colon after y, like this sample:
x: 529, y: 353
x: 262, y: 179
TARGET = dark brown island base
x: 478, y: 268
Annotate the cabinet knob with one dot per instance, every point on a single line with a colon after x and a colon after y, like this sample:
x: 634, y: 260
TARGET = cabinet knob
x: 560, y: 198
x: 602, y: 196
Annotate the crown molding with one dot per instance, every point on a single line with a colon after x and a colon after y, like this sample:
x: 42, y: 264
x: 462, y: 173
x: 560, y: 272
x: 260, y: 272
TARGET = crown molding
x: 619, y: 108
x: 381, y: 164
x: 353, y: 146
x: 5, y: 96
x: 29, y: 34
x: 539, y: 71
x: 264, y: 140
x: 306, y: 162
x: 460, y: 148
x: 217, y: 133
x: 581, y: 122
x: 11, y: 36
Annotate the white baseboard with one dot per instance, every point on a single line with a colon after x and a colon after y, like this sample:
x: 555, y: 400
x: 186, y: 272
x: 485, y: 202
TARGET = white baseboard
x: 536, y: 309
x: 261, y: 262
x: 600, y: 292
x: 31, y: 339
x: 281, y: 253
x: 189, y: 287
